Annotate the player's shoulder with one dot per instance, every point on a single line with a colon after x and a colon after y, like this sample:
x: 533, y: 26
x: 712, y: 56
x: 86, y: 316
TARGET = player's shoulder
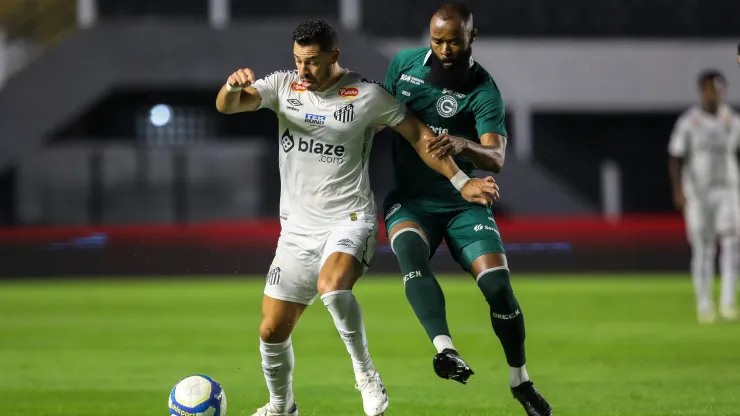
x: 690, y: 116
x: 366, y: 84
x: 410, y: 57
x: 485, y: 86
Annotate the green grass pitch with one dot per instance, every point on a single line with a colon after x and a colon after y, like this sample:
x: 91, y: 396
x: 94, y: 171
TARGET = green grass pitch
x: 601, y: 345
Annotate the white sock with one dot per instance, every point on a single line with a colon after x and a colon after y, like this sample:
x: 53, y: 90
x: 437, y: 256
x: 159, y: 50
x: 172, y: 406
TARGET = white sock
x: 728, y: 268
x: 345, y: 310
x: 702, y: 272
x: 518, y: 375
x: 277, y: 364
x: 443, y: 342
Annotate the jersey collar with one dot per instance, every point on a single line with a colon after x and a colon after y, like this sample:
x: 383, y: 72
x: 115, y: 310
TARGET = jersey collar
x: 429, y: 53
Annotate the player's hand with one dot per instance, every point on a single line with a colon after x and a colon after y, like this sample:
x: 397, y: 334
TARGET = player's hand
x: 481, y: 191
x: 242, y: 78
x: 679, y: 200
x: 445, y: 145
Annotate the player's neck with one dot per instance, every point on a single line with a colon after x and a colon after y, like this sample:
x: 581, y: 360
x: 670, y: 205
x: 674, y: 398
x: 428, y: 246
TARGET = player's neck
x: 711, y: 109
x: 337, y: 72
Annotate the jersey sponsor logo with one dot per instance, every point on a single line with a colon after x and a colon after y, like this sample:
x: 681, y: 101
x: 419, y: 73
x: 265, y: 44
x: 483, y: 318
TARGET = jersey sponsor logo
x: 293, y: 103
x: 327, y: 153
x: 447, y: 106
x: 273, y: 275
x: 348, y: 92
x: 392, y: 211
x: 286, y: 141
x: 439, y: 130
x: 413, y: 80
x: 315, y: 119
x: 297, y: 86
x: 345, y: 113
x: 456, y: 94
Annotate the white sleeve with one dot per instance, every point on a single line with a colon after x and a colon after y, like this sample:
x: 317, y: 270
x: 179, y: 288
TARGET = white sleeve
x: 269, y: 90
x: 384, y: 109
x: 735, y: 135
x: 678, y: 146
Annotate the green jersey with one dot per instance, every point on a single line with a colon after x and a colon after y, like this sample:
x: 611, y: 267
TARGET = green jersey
x: 480, y: 110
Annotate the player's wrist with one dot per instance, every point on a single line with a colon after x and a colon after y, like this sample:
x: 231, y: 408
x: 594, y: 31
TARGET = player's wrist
x: 459, y: 179
x: 231, y: 88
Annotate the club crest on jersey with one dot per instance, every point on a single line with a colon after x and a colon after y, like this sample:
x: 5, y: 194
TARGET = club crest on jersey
x: 345, y: 113
x: 297, y: 86
x: 447, y: 106
x: 348, y: 92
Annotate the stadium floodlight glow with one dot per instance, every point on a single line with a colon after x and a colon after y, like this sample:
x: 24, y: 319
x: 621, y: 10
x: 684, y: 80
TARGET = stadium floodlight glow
x: 160, y: 115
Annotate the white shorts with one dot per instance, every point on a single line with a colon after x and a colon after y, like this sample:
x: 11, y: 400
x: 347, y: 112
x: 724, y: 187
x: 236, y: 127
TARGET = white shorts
x: 294, y: 272
x: 718, y: 213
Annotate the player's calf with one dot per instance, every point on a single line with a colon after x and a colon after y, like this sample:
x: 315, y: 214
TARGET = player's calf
x: 276, y: 348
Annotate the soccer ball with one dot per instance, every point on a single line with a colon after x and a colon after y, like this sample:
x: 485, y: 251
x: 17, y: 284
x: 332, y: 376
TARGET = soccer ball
x: 197, y: 395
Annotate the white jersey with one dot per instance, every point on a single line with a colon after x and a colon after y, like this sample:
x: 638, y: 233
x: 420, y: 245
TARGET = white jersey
x: 325, y: 141
x: 709, y: 144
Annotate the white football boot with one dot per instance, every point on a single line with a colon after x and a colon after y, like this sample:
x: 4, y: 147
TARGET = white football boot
x: 374, y: 398
x: 728, y: 313
x: 270, y: 410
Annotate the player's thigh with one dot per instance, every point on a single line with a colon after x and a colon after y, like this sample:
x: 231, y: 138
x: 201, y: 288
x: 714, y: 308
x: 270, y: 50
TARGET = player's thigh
x: 473, y: 233
x: 279, y: 318
x: 406, y: 216
x: 347, y: 253
x: 294, y: 271
x: 699, y: 216
x: 727, y: 219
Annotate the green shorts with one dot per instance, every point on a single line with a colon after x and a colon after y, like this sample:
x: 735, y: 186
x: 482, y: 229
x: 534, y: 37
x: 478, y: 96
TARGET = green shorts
x: 469, y: 229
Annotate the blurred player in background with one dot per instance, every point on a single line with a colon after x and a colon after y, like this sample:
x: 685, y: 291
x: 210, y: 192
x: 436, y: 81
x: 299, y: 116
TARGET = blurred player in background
x: 704, y: 174
x: 327, y: 116
x: 451, y: 92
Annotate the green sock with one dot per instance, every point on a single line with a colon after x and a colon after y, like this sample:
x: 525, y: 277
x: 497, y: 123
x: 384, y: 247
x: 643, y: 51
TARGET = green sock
x: 506, y: 315
x: 422, y: 289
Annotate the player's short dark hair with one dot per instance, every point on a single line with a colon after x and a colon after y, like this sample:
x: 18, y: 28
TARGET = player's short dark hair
x: 455, y: 8
x: 711, y: 75
x: 316, y: 32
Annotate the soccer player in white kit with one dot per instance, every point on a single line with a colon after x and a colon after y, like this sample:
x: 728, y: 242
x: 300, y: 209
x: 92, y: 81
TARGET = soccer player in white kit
x: 704, y: 174
x: 327, y: 117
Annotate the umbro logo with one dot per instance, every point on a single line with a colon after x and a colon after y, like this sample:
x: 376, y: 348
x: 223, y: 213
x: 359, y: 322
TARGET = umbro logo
x: 293, y: 103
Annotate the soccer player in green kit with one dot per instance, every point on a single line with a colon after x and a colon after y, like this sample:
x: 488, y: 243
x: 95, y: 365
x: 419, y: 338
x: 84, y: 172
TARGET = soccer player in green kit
x: 453, y: 94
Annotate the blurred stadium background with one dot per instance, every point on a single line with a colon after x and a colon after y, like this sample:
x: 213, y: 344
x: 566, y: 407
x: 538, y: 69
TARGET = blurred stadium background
x: 113, y: 159
x: 114, y: 162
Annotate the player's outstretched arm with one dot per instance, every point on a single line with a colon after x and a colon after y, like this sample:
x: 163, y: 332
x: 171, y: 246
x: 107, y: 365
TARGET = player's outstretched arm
x: 238, y: 95
x: 481, y: 191
x: 488, y: 155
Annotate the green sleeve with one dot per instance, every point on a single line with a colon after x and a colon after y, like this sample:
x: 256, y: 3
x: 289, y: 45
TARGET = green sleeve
x: 490, y: 113
x: 391, y: 75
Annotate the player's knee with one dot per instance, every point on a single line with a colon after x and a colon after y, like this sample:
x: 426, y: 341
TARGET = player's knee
x: 335, y: 279
x: 273, y: 332
x: 409, y: 244
x: 496, y: 286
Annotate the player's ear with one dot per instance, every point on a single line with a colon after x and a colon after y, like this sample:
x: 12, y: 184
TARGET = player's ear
x: 334, y: 56
x: 473, y: 34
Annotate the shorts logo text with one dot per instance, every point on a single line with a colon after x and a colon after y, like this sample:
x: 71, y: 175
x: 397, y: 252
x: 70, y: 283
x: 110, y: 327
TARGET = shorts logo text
x: 481, y: 227
x: 392, y: 211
